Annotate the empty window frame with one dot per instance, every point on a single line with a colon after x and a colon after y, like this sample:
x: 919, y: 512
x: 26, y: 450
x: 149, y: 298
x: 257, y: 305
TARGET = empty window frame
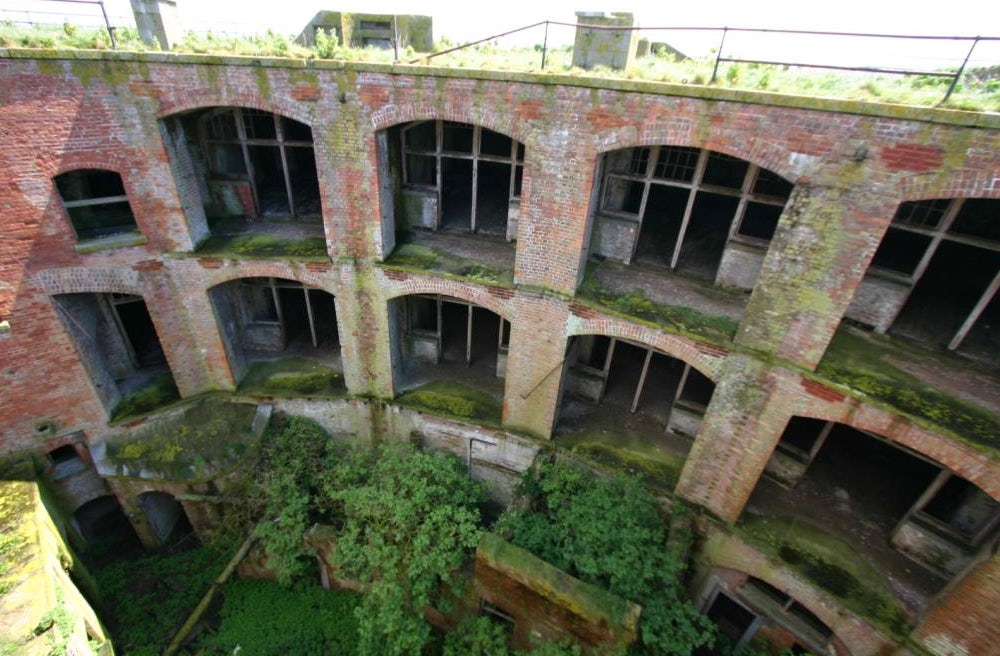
x: 948, y: 252
x: 269, y: 300
x: 476, y: 171
x: 690, y: 202
x: 96, y: 203
x: 771, y: 602
x: 960, y: 509
x: 273, y: 152
x: 65, y: 461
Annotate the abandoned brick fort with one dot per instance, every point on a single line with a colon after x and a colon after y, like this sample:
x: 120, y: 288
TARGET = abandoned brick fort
x: 781, y: 310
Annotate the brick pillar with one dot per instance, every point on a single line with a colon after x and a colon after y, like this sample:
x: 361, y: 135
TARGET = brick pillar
x: 817, y: 259
x: 366, y: 333
x: 742, y: 425
x: 535, y: 365
x: 967, y: 621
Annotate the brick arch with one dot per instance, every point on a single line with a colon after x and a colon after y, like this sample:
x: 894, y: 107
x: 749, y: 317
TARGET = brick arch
x: 681, y: 348
x: 765, y: 154
x: 830, y: 615
x: 86, y: 280
x: 970, y: 464
x: 393, y: 115
x: 481, y: 297
x: 976, y: 184
x: 269, y: 270
x: 118, y: 160
x: 178, y: 102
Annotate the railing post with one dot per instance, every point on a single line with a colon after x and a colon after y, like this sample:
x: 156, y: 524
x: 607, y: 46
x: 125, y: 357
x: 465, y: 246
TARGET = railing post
x: 545, y: 44
x: 718, y: 55
x: 107, y: 24
x: 961, y: 70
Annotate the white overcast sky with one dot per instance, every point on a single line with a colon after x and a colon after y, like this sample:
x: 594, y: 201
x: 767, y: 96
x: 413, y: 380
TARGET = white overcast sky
x: 467, y: 21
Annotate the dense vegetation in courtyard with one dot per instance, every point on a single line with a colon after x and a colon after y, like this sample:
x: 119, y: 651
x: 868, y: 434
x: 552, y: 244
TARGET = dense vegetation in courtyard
x: 609, y: 532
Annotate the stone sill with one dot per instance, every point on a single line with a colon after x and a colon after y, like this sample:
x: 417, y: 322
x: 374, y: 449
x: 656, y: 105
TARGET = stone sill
x: 121, y: 240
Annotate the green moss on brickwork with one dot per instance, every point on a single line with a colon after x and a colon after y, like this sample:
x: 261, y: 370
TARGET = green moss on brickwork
x: 292, y: 377
x: 156, y: 393
x: 207, y: 437
x: 453, y: 400
x: 418, y: 258
x: 675, y: 319
x: 830, y: 563
x: 626, y: 450
x: 866, y: 363
x: 590, y: 602
x: 265, y: 246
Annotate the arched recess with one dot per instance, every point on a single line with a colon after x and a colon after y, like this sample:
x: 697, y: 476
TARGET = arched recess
x: 165, y: 517
x: 103, y: 527
x: 699, y: 212
x: 444, y: 340
x: 746, y: 608
x: 935, y: 277
x: 442, y: 176
x: 894, y: 505
x: 120, y: 349
x: 245, y: 170
x: 632, y: 404
x: 279, y: 321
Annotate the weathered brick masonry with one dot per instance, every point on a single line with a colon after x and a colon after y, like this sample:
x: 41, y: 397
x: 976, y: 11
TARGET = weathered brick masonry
x: 60, y: 113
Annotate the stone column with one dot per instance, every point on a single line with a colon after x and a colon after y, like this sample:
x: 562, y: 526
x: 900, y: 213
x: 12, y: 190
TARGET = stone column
x: 614, y: 48
x: 157, y: 21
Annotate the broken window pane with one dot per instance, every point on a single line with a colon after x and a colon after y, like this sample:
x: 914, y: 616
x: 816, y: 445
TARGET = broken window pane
x: 725, y: 171
x: 963, y: 507
x: 622, y: 195
x: 979, y: 217
x: 760, y: 220
x: 421, y: 137
x: 771, y: 184
x: 494, y: 143
x: 901, y: 250
x: 457, y: 137
x: 295, y: 131
x: 259, y: 125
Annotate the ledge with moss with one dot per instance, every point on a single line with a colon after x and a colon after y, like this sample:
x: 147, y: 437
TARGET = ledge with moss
x: 264, y: 246
x: 629, y: 451
x: 156, y: 394
x: 420, y: 258
x: 870, y: 365
x: 453, y: 400
x: 833, y: 565
x: 292, y: 377
x: 604, y: 612
x: 635, y: 305
x: 197, y: 441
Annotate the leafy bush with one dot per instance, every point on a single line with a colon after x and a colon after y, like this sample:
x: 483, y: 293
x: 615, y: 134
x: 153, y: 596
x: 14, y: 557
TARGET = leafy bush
x: 608, y: 532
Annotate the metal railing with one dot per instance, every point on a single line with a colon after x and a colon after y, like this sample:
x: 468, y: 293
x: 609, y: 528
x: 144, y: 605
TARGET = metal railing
x: 63, y: 15
x: 955, y: 76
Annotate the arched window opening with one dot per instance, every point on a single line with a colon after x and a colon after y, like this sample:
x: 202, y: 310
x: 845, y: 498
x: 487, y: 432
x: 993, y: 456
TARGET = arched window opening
x: 96, y: 203
x: 118, y: 344
x: 624, y: 396
x: 246, y: 171
x: 270, y: 321
x: 895, y: 505
x: 935, y: 276
x: 448, y: 341
x: 166, y: 519
x: 701, y: 213
x: 105, y: 529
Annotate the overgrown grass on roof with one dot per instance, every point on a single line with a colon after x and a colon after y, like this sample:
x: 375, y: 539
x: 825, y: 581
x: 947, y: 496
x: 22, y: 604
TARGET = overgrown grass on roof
x: 979, y: 89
